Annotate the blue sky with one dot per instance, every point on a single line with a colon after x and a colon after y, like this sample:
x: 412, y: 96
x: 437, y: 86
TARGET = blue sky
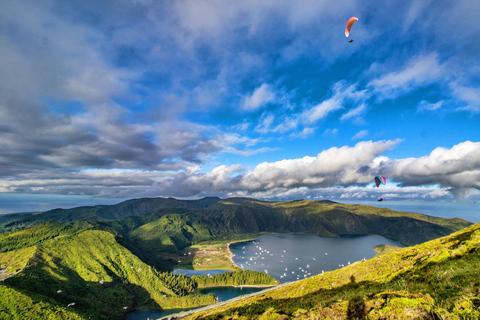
x: 105, y: 101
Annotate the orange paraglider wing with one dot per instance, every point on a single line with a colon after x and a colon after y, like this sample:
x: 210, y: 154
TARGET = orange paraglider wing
x: 349, y: 25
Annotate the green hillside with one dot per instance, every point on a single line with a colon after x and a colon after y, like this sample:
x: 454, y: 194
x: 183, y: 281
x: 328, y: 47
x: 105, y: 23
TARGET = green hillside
x: 134, y: 207
x: 213, y: 217
x: 55, y: 265
x: 435, y: 280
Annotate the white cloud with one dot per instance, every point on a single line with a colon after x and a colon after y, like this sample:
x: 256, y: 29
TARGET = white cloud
x: 342, y: 91
x: 471, y: 96
x: 457, y: 168
x: 420, y: 70
x: 330, y: 167
x: 355, y: 113
x: 344, y: 172
x: 330, y: 132
x: 260, y: 96
x: 360, y: 135
x: 322, y: 109
x: 428, y: 106
x: 306, y: 132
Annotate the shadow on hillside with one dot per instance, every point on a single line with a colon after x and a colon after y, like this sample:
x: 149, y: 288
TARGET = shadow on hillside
x: 356, y: 305
x: 108, y: 299
x: 148, y: 254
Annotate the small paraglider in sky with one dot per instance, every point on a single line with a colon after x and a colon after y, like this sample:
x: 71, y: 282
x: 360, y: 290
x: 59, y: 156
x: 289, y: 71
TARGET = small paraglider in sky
x: 348, y: 27
x: 378, y: 180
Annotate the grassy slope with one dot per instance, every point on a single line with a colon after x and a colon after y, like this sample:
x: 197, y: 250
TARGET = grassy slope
x: 434, y: 280
x: 171, y: 232
x: 76, y: 263
x: 18, y: 306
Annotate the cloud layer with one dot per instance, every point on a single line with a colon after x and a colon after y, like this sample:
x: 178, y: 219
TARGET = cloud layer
x: 335, y: 173
x: 250, y: 98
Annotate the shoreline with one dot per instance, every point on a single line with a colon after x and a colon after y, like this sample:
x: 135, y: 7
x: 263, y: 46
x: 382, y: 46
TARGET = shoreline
x: 230, y: 255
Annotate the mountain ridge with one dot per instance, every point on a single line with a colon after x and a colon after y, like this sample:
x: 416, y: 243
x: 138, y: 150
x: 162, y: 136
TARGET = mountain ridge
x: 246, y: 215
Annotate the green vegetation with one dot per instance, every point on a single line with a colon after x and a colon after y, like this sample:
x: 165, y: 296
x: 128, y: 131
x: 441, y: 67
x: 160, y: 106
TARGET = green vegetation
x: 121, y: 257
x: 238, y: 278
x: 175, y: 224
x: 15, y: 305
x: 89, y: 267
x: 385, y: 248
x: 434, y: 280
x: 39, y: 234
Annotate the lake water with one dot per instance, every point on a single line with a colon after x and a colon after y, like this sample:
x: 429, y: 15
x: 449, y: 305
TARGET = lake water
x: 286, y: 257
x: 291, y: 257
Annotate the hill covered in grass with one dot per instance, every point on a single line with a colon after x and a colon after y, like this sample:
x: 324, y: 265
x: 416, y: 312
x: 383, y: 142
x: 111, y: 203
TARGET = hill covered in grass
x: 433, y: 280
x: 54, y: 265
x: 81, y: 270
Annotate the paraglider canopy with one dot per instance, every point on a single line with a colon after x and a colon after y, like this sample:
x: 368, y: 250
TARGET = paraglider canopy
x: 379, y: 179
x: 349, y: 25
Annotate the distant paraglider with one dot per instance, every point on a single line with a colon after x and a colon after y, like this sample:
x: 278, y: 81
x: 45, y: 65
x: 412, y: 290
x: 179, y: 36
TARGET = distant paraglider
x: 348, y: 27
x: 378, y: 180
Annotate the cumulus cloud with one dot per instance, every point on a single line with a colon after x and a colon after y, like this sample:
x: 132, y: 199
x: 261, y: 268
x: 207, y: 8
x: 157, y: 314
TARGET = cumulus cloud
x: 335, y: 173
x: 457, y: 168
